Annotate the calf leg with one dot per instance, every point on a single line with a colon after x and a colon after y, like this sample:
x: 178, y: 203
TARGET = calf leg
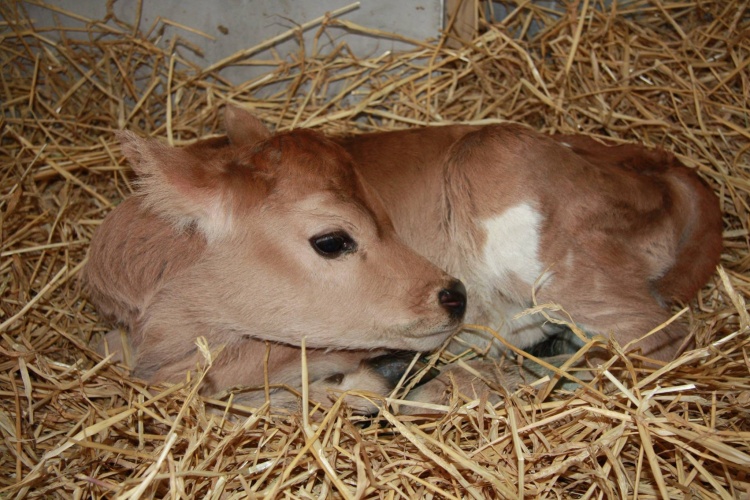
x: 250, y: 362
x: 116, y: 342
x: 629, y: 324
x: 375, y: 376
x: 603, y: 305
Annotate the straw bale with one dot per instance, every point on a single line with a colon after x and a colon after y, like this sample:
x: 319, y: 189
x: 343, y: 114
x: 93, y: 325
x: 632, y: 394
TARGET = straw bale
x: 673, y: 74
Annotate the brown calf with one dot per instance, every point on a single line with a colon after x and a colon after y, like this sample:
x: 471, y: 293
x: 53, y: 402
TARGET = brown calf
x: 221, y: 242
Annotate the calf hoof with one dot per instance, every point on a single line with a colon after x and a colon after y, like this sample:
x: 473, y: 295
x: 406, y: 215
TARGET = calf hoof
x: 559, y: 340
x: 393, y: 367
x: 372, y: 380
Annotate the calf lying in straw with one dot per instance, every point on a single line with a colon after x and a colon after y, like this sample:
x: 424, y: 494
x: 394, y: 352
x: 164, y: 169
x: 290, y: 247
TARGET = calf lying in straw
x: 257, y: 241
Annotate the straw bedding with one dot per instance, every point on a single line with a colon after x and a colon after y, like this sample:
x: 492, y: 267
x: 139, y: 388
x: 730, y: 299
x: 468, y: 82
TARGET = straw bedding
x: 673, y: 74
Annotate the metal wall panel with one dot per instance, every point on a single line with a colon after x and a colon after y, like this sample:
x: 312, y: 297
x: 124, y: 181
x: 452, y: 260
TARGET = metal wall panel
x: 239, y: 24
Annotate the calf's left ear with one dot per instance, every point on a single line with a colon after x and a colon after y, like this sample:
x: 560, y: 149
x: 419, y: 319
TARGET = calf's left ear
x: 179, y: 186
x: 243, y: 128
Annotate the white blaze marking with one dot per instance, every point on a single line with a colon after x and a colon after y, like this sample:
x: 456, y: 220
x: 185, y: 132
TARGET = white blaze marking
x: 217, y: 222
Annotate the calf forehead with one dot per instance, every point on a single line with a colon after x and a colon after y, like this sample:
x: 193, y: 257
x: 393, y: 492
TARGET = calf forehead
x: 308, y: 152
x: 310, y: 166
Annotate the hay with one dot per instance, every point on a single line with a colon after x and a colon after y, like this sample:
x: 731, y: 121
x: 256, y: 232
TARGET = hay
x: 673, y: 74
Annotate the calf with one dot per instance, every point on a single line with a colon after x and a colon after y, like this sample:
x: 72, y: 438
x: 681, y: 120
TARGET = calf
x: 612, y: 233
x: 264, y: 239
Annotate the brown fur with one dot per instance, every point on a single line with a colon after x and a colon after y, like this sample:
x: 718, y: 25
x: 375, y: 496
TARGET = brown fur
x: 215, y: 244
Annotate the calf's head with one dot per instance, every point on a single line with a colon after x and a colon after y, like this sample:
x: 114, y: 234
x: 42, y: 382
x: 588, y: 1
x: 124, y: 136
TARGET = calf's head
x: 297, y: 245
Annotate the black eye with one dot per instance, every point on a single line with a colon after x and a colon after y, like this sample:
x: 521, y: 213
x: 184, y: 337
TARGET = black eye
x: 332, y: 245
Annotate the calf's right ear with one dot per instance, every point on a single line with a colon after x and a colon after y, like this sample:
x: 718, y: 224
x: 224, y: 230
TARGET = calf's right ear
x: 178, y: 186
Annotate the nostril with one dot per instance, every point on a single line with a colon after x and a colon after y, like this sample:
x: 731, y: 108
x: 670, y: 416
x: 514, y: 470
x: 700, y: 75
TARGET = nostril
x: 453, y: 299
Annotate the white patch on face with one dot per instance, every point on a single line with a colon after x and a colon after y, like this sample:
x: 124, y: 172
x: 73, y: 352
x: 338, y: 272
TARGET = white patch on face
x: 218, y: 222
x: 569, y: 260
x: 512, y: 247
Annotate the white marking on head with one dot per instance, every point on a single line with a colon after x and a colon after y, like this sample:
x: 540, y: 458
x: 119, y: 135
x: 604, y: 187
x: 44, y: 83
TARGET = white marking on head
x: 219, y: 222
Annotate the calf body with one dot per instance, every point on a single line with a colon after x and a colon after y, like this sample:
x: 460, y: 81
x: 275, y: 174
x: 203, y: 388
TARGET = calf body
x: 612, y: 233
x: 258, y: 241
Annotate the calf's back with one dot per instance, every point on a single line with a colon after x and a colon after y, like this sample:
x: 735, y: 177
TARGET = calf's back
x: 613, y: 233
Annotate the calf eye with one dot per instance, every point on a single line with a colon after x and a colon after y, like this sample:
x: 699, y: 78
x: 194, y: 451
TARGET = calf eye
x: 332, y: 245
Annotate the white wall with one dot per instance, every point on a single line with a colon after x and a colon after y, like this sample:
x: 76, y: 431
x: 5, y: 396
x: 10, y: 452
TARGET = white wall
x: 240, y: 24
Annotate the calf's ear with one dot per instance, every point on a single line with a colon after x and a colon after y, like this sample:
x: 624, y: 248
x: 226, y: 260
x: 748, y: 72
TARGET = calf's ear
x: 183, y: 188
x: 243, y: 128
